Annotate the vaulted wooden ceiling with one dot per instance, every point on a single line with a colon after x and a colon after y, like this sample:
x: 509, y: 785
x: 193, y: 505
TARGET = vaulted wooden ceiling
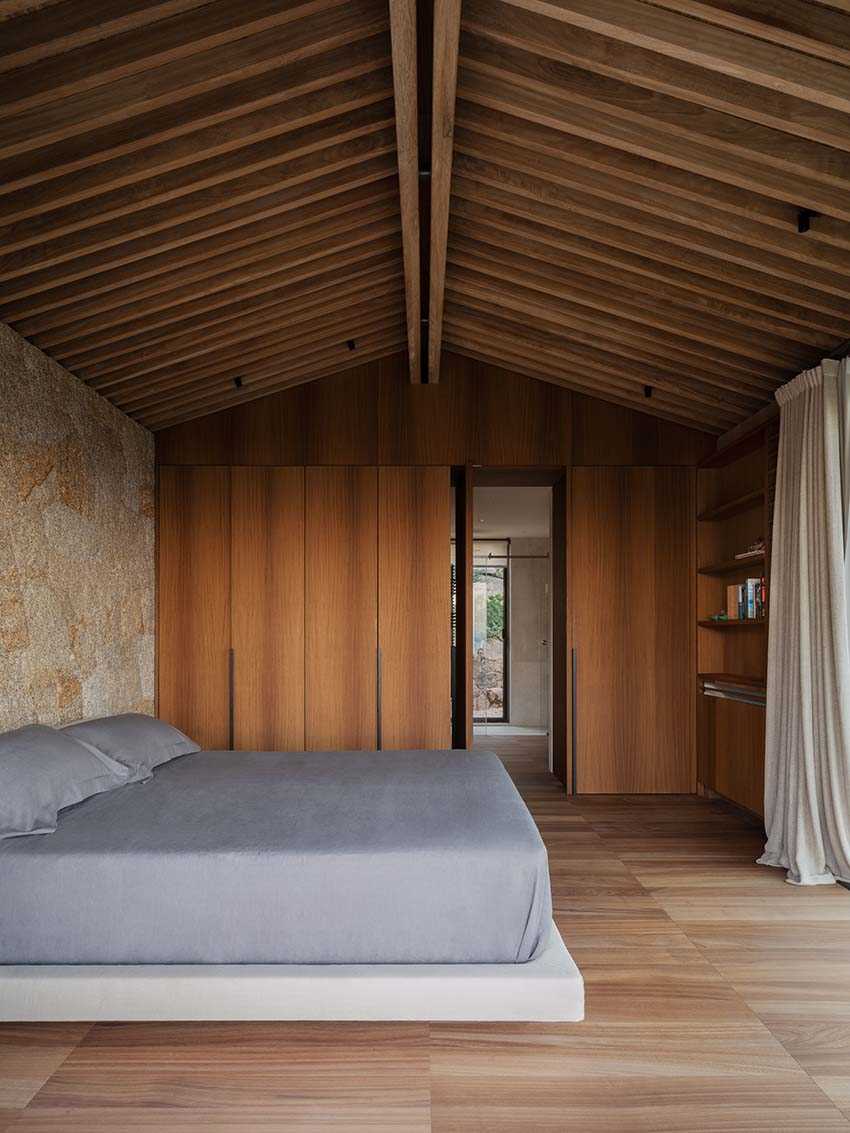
x: 202, y: 202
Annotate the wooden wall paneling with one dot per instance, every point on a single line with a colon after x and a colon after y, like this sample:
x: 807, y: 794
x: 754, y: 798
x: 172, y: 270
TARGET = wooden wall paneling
x: 427, y: 424
x: 462, y: 727
x: 519, y: 421
x: 562, y: 638
x: 341, y: 608
x: 414, y: 588
x: 604, y: 433
x: 731, y: 737
x: 631, y: 563
x: 339, y: 415
x: 267, y: 588
x: 193, y: 615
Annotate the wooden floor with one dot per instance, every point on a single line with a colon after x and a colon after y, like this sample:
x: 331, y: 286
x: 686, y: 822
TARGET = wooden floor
x: 718, y: 999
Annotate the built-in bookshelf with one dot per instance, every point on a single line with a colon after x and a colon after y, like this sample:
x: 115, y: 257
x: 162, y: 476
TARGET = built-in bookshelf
x: 734, y: 492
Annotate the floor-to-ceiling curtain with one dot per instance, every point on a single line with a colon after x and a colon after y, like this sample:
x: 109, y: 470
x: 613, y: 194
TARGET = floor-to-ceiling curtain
x: 807, y: 769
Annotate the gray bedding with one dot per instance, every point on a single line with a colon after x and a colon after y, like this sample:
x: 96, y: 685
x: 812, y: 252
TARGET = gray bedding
x: 266, y: 857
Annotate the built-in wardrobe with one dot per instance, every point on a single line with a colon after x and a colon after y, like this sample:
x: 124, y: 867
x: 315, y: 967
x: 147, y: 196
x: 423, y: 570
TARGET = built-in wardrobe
x: 305, y: 607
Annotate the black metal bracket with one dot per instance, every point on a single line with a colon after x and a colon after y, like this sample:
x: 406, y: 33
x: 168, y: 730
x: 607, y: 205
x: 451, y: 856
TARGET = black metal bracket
x: 804, y: 219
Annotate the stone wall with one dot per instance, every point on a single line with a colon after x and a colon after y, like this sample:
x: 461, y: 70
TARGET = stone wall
x: 76, y: 547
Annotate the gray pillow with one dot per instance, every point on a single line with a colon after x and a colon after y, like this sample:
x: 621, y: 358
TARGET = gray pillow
x: 139, y: 742
x: 42, y: 771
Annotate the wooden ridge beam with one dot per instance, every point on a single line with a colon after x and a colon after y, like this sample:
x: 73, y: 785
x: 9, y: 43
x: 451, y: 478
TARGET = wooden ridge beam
x: 403, y: 34
x: 446, y: 43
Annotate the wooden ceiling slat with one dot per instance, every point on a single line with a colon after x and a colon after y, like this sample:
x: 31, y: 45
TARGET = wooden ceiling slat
x: 154, y: 45
x: 733, y: 260
x: 236, y: 136
x: 180, y: 331
x: 730, y: 342
x: 553, y: 234
x: 571, y: 352
x: 299, y: 287
x: 621, y: 58
x: 163, y: 86
x: 794, y: 23
x: 475, y: 236
x: 382, y: 350
x: 243, y: 330
x: 405, y: 88
x: 636, y: 183
x: 210, y: 395
x: 693, y: 41
x: 78, y: 279
x: 516, y: 267
x: 605, y: 335
x: 128, y: 304
x: 73, y: 24
x: 558, y: 313
x: 91, y: 333
x: 148, y: 131
x: 180, y: 188
x: 654, y: 125
x: 360, y: 320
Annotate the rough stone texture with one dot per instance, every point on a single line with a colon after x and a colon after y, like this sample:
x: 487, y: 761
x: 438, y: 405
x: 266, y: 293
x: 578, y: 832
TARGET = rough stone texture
x: 76, y: 547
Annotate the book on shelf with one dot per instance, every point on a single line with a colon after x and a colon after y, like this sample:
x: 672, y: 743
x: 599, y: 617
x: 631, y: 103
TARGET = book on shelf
x: 754, y: 551
x: 745, y: 601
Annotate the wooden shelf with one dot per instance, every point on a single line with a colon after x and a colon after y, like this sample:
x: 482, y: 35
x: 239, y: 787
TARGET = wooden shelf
x: 730, y: 566
x: 733, y: 623
x: 758, y: 684
x: 734, y: 506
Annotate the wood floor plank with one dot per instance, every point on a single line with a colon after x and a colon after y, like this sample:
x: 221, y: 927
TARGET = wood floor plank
x: 718, y: 1000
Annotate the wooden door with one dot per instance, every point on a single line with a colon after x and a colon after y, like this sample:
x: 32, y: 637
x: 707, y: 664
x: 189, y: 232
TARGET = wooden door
x: 341, y: 609
x: 631, y: 601
x: 414, y: 607
x: 193, y: 605
x: 267, y: 587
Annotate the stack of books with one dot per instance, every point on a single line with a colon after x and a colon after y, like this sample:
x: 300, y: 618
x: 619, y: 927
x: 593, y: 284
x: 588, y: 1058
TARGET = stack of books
x: 722, y: 686
x: 754, y: 551
x: 746, y: 601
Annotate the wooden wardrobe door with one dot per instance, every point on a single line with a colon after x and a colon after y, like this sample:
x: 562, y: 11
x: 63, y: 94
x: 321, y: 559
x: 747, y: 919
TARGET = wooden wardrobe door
x: 631, y: 572
x: 193, y: 604
x: 414, y: 607
x: 267, y: 603
x: 341, y: 609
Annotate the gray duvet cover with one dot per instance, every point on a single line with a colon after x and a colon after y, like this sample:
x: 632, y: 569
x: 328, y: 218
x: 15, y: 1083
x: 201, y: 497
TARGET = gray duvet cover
x: 268, y: 857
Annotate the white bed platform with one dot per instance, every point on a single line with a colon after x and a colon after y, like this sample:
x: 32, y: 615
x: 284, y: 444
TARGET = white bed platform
x: 548, y: 989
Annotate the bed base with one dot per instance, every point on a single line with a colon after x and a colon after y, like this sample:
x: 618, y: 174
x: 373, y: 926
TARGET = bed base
x: 547, y: 989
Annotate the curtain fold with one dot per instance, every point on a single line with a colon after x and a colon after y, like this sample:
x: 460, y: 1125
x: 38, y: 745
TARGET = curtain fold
x: 807, y: 753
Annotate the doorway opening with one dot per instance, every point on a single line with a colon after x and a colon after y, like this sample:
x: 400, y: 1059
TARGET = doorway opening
x: 511, y: 611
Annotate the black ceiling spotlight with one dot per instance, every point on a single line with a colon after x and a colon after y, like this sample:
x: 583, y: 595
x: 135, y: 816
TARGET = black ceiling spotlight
x: 648, y: 391
x: 804, y: 219
x: 351, y: 344
x: 237, y: 381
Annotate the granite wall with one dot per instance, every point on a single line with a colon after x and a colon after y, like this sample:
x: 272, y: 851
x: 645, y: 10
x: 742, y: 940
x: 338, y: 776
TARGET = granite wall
x: 76, y: 547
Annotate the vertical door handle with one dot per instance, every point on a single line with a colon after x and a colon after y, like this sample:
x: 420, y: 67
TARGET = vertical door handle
x: 574, y: 714
x: 378, y: 737
x: 231, y: 666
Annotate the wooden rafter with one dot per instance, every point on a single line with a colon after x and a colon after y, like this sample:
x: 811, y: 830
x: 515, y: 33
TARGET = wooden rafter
x: 446, y: 45
x: 403, y: 34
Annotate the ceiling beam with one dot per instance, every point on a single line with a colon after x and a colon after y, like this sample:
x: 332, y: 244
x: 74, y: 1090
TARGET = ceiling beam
x: 403, y: 35
x: 446, y: 44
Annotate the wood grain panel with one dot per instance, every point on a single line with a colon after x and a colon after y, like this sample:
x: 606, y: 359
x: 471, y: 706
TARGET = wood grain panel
x: 268, y: 608
x: 341, y: 608
x: 462, y: 726
x: 414, y: 588
x: 193, y: 605
x: 631, y: 564
x: 731, y: 749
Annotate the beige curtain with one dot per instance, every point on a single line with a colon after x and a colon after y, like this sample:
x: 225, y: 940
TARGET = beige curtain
x: 807, y: 769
